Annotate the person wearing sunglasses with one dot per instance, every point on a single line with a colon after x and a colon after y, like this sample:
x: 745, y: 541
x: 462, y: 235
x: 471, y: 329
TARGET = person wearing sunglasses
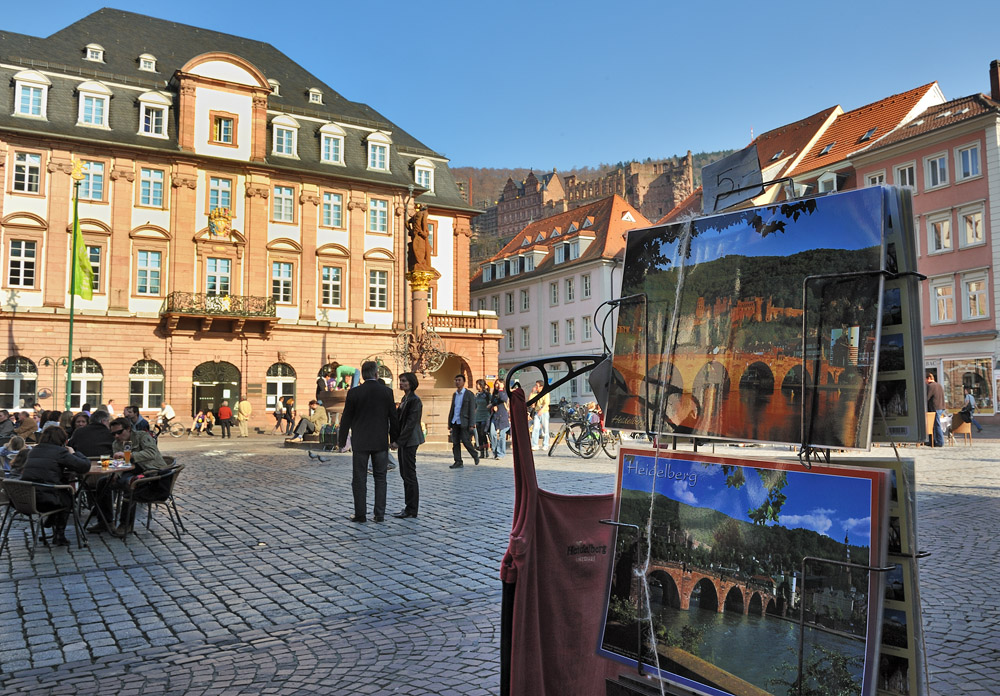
x: 145, y: 457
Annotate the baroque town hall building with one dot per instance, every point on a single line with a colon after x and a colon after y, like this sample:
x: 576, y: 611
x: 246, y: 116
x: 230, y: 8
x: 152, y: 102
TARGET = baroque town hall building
x: 244, y: 221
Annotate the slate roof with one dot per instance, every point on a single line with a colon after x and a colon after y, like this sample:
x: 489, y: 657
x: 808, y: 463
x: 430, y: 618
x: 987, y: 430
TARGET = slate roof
x: 607, y: 228
x: 126, y: 35
x: 847, y: 131
x: 940, y: 116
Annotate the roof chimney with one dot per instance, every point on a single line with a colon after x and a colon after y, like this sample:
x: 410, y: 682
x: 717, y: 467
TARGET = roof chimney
x: 995, y: 80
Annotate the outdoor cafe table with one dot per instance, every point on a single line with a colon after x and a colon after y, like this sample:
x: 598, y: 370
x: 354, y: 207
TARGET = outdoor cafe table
x: 88, y: 488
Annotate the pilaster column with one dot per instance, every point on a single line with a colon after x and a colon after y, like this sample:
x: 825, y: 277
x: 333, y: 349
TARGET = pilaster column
x: 358, y: 280
x: 122, y: 179
x: 258, y: 190
x: 309, y: 202
x: 60, y: 217
x: 183, y: 226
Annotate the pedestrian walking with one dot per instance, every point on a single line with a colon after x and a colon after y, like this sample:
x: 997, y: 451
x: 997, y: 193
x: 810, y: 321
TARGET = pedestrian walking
x: 411, y: 436
x: 243, y: 411
x: 540, y: 419
x: 969, y: 407
x: 501, y: 419
x: 482, y: 418
x: 279, y: 416
x: 289, y: 415
x: 370, y: 419
x: 461, y: 419
x: 935, y: 403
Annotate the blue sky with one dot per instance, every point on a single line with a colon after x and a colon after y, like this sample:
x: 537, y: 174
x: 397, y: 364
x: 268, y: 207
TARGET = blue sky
x: 561, y: 84
x: 826, y: 504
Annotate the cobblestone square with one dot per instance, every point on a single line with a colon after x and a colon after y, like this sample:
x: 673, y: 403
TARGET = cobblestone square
x: 273, y: 591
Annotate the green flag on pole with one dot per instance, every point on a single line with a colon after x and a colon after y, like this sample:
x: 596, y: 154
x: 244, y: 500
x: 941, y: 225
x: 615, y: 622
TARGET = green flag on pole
x: 83, y: 272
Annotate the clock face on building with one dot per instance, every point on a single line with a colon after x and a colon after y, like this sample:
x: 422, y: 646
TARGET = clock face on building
x: 44, y: 393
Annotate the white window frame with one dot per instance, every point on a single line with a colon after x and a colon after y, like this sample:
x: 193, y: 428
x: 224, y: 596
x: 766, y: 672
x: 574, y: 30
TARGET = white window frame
x: 976, y: 163
x: 315, y: 96
x: 24, y: 263
x: 28, y: 162
x: 553, y: 333
x: 495, y: 304
x: 152, y: 273
x: 525, y: 300
x: 330, y: 286
x: 588, y: 329
x: 24, y: 380
x: 553, y: 294
x: 378, y: 152
x: 378, y: 289
x: 333, y: 209
x: 283, y: 203
x: 487, y: 272
x: 935, y: 315
x: 99, y: 94
x: 574, y: 250
x: 147, y: 62
x: 570, y: 288
x: 571, y: 331
x: 95, y: 253
x: 481, y: 304
x: 218, y: 187
x: 910, y: 168
x: 509, y: 334
x: 587, y: 287
x: 508, y: 303
x: 525, y: 337
x: 560, y: 255
x: 329, y: 134
x: 30, y: 79
x: 282, y: 276
x: 149, y: 185
x: 942, y: 172
x: 89, y: 184
x: 875, y: 178
x: 146, y: 373
x: 423, y: 174
x: 219, y: 270
x: 152, y: 102
x: 975, y: 277
x: 285, y: 141
x: 965, y: 212
x: 827, y: 183
x: 939, y: 219
x: 81, y: 391
x: 378, y: 216
x: 529, y: 263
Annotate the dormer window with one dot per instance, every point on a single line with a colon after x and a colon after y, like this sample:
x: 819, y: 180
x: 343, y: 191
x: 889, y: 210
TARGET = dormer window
x: 529, y: 263
x: 572, y: 228
x: 868, y: 135
x: 423, y: 173
x: 555, y: 232
x: 93, y: 106
x: 315, y: 96
x: 487, y: 273
x: 275, y: 87
x: 826, y: 150
x: 588, y: 222
x: 153, y: 107
x: 378, y: 151
x: 525, y: 242
x: 94, y: 52
x: 285, y: 140
x: 147, y: 63
x: 777, y: 155
x: 31, y: 94
x: 627, y: 217
x: 540, y: 237
x: 331, y: 150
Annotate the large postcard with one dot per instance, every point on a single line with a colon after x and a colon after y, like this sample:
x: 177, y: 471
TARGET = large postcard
x: 716, y: 570
x: 756, y: 325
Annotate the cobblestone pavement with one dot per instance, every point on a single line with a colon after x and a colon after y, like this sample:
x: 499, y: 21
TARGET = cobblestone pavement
x: 273, y: 591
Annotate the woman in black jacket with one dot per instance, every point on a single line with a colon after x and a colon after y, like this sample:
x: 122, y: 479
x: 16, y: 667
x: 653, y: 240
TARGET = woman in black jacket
x: 411, y: 436
x: 48, y: 461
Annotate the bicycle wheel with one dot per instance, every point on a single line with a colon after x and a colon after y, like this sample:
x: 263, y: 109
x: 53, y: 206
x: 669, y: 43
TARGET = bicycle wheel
x: 177, y: 429
x: 556, y: 440
x: 578, y: 441
x: 610, y: 441
x: 589, y: 443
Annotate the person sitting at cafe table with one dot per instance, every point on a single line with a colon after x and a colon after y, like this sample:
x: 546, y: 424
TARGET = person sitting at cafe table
x: 6, y: 425
x: 27, y: 426
x: 316, y: 420
x: 47, y: 462
x: 146, y: 457
x: 94, y: 439
x: 136, y: 419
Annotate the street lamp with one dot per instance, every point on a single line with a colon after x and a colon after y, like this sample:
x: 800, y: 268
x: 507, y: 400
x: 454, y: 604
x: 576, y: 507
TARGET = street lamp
x: 55, y: 364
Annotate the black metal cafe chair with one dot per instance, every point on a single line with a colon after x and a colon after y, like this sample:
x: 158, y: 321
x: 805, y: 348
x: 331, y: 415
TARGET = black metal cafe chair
x: 23, y: 502
x: 154, y: 489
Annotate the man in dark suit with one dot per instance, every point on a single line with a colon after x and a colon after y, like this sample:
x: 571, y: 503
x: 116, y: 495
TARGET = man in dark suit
x: 371, y: 407
x: 461, y: 422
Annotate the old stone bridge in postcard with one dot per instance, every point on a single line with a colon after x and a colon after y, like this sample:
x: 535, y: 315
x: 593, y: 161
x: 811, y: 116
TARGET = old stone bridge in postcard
x: 679, y: 581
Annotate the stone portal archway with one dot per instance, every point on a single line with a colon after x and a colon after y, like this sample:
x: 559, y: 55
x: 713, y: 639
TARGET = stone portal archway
x: 212, y: 383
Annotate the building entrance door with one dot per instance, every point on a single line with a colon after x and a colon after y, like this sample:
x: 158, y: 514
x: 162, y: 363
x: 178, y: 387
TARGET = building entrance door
x: 213, y: 382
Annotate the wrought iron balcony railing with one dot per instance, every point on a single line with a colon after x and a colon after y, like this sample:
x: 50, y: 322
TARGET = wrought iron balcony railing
x: 200, y: 304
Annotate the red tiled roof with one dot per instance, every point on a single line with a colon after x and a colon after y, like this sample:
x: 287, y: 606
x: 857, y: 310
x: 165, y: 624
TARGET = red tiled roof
x: 846, y: 132
x: 789, y: 140
x: 689, y: 206
x: 608, y: 229
x: 940, y: 116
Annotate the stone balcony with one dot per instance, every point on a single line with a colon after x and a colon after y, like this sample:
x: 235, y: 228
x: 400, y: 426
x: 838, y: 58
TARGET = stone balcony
x: 482, y: 322
x: 196, y: 312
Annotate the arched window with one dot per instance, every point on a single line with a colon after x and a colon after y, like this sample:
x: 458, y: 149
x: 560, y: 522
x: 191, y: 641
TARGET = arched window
x: 86, y: 383
x: 280, y: 383
x: 18, y: 382
x: 145, y: 384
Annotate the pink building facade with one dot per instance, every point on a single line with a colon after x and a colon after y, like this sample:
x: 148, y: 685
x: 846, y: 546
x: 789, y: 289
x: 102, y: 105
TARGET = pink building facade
x: 949, y: 156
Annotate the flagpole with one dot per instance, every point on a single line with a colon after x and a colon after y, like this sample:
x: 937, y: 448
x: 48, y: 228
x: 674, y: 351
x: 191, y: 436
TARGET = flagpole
x: 77, y: 176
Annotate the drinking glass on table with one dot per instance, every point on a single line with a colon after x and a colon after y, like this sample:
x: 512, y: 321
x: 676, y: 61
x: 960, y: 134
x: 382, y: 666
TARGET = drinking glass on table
x: 127, y: 452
